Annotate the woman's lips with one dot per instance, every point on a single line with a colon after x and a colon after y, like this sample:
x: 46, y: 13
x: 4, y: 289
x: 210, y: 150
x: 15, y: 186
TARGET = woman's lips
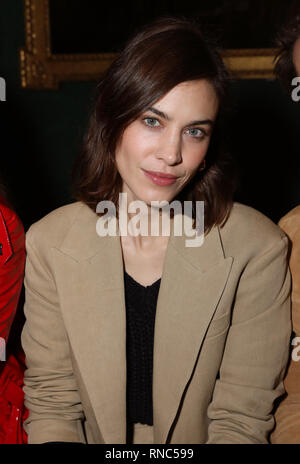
x: 159, y: 178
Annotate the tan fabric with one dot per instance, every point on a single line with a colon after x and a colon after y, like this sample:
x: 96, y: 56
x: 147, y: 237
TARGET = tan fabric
x: 287, y: 416
x: 222, y: 332
x: 142, y: 434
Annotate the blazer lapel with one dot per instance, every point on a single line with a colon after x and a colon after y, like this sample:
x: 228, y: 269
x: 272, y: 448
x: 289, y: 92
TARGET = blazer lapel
x: 192, y: 285
x: 91, y: 287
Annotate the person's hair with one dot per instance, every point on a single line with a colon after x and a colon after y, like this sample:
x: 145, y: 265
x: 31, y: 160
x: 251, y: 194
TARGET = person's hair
x: 285, y: 40
x: 161, y: 55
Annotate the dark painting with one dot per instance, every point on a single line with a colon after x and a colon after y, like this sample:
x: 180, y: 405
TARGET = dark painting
x: 93, y: 26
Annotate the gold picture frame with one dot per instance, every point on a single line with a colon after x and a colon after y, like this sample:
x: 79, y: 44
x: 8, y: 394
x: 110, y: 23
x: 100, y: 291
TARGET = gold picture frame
x: 41, y: 69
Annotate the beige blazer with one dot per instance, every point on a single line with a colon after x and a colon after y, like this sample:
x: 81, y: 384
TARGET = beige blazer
x: 287, y: 415
x: 222, y: 332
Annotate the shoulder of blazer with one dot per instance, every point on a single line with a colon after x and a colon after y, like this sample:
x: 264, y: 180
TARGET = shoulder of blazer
x: 250, y: 230
x: 290, y: 223
x: 53, y: 227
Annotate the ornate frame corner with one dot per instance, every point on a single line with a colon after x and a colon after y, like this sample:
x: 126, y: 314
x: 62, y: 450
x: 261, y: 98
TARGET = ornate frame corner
x: 41, y: 69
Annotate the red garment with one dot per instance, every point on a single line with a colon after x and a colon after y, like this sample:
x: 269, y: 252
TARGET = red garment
x: 12, y: 365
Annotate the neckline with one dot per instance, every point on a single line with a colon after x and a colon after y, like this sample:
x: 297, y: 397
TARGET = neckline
x: 140, y: 285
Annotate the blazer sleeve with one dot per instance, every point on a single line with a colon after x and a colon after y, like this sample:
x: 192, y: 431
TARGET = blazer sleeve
x: 50, y: 389
x: 287, y: 415
x: 256, y: 351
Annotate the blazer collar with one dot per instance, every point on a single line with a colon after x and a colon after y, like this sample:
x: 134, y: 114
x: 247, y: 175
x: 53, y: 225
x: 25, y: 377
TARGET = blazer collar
x: 82, y: 242
x: 90, y: 281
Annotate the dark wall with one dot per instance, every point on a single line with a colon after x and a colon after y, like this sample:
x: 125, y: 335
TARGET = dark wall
x: 265, y: 142
x: 41, y: 133
x: 40, y: 130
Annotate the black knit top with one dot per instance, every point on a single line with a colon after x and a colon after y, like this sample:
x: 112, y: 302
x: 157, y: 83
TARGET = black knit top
x: 140, y: 320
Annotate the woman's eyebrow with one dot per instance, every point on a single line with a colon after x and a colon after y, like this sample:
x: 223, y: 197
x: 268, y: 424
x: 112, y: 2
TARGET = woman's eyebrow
x: 165, y: 116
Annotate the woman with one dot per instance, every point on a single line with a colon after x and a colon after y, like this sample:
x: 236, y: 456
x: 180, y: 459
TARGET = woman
x: 12, y: 363
x: 287, y: 415
x: 143, y: 339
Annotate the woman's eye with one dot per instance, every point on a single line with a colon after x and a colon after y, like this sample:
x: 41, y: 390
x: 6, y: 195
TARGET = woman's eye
x: 151, y: 122
x: 198, y: 133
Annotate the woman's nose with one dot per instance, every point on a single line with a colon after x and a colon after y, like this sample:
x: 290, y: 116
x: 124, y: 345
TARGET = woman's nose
x: 170, y: 148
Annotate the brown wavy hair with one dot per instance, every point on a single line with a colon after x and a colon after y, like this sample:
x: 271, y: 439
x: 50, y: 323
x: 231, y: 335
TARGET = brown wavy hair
x: 161, y: 55
x: 285, y: 40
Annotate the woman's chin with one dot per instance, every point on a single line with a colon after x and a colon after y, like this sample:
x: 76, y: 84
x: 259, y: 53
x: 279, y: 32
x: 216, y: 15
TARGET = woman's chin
x: 159, y: 200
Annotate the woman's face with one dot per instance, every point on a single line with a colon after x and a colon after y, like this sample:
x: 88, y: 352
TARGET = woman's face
x: 171, y: 137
